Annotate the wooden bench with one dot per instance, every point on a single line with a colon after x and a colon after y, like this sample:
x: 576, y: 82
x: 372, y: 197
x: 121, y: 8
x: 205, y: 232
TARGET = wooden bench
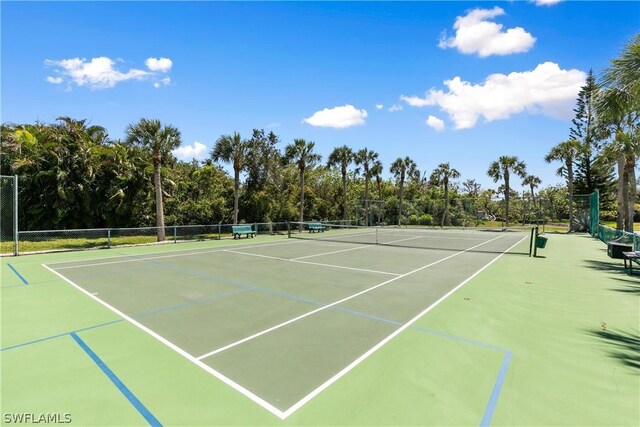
x: 315, y: 226
x: 632, y: 257
x: 237, y: 230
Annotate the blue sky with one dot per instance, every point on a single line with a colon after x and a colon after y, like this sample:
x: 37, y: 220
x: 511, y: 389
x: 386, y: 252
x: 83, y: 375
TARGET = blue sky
x: 458, y: 82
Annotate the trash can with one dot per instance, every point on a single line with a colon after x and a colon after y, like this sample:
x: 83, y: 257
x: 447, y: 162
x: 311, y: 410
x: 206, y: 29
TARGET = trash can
x: 541, y: 242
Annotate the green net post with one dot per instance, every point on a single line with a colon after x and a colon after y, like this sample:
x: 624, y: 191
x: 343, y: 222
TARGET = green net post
x: 109, y: 238
x: 535, y: 245
x: 288, y: 229
x: 532, y: 240
x: 594, y: 211
x: 15, y: 215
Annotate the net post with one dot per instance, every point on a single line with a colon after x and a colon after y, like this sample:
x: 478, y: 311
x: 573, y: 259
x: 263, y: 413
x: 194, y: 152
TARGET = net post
x: 531, y: 241
x: 109, y: 238
x: 535, y: 244
x: 219, y: 230
x: 175, y: 234
x: 15, y: 215
x: 255, y: 226
x: 288, y: 229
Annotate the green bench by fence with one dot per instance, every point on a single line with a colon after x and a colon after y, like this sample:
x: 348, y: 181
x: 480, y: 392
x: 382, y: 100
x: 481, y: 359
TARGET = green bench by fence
x: 238, y: 230
x: 316, y: 226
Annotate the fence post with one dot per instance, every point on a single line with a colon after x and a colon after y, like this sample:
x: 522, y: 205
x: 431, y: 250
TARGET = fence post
x: 175, y: 234
x: 15, y: 215
x: 219, y: 227
x: 255, y: 224
x: 288, y: 229
x: 109, y: 238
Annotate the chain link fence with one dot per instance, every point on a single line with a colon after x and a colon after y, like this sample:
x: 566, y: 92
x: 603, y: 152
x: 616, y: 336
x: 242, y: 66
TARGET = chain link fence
x: 9, y: 214
x: 80, y: 239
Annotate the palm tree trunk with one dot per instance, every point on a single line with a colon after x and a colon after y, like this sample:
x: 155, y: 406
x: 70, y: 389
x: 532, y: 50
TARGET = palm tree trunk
x: 570, y: 182
x: 301, y: 198
x: 159, y: 205
x: 378, y: 186
x: 625, y: 199
x: 344, y: 195
x: 631, y: 203
x: 445, y: 214
x: 400, y: 204
x: 366, y: 201
x: 236, y: 194
x: 620, y: 223
x: 506, y: 198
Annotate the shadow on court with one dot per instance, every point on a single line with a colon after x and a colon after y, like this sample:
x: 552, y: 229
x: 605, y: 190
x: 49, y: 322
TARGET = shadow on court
x: 623, y: 346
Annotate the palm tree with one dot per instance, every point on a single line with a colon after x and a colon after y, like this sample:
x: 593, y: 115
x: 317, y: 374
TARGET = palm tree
x: 533, y: 182
x: 502, y: 169
x: 617, y: 109
x: 441, y: 176
x: 566, y: 152
x: 472, y: 187
x: 235, y: 150
x: 617, y: 118
x: 301, y: 154
x: 401, y: 169
x: 160, y: 140
x: 342, y: 156
x: 367, y: 159
x: 376, y: 172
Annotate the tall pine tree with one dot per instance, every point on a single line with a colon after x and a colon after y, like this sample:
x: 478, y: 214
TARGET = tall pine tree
x: 590, y: 175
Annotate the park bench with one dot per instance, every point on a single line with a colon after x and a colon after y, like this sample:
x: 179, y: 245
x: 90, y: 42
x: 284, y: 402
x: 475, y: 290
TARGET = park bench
x: 632, y: 257
x: 316, y: 226
x: 238, y: 230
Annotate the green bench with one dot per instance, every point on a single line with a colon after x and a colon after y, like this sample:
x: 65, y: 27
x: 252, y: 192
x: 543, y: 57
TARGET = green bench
x: 238, y: 230
x: 315, y: 226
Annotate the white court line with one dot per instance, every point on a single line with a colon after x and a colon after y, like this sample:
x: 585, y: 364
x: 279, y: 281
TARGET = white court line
x: 151, y: 258
x: 368, y: 245
x: 314, y: 263
x: 372, y: 350
x: 324, y: 307
x: 257, y: 399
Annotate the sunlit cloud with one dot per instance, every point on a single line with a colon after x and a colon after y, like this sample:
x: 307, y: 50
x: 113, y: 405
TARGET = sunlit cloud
x: 337, y: 117
x: 547, y: 89
x: 475, y: 33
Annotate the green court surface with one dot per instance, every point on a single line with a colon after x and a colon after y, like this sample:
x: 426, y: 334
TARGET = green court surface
x: 276, y: 331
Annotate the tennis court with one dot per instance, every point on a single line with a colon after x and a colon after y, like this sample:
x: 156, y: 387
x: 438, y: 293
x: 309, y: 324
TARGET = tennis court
x: 350, y: 326
x: 279, y: 322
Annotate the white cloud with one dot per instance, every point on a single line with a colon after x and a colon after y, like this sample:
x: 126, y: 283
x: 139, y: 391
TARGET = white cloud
x: 435, y: 123
x: 395, y: 107
x: 476, y: 34
x: 99, y: 73
x: 379, y: 106
x: 547, y: 90
x: 546, y: 2
x: 162, y: 65
x: 337, y: 117
x: 196, y: 151
x: 164, y: 82
x: 102, y: 73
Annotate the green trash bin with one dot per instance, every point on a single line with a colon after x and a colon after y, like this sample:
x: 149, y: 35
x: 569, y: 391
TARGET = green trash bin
x: 541, y: 242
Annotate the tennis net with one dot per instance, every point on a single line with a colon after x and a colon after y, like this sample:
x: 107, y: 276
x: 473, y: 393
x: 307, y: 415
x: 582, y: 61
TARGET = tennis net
x: 490, y: 240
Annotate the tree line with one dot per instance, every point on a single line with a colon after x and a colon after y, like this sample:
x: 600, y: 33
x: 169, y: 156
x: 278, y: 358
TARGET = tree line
x: 73, y: 175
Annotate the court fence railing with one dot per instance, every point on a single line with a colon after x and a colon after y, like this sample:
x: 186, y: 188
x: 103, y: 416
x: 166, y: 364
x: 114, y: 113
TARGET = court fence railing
x: 24, y: 242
